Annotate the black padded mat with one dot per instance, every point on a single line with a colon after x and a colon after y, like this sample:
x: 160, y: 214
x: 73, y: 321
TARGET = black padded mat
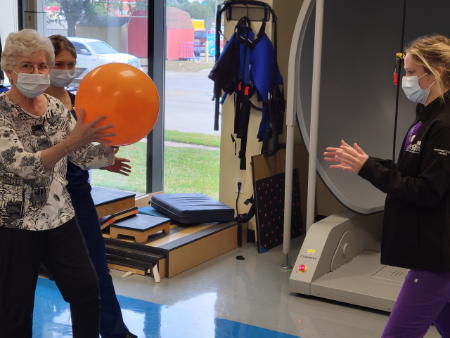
x: 152, y: 212
x: 270, y: 210
x: 192, y: 208
x: 139, y: 222
x: 103, y: 196
x: 133, y: 253
x: 129, y: 262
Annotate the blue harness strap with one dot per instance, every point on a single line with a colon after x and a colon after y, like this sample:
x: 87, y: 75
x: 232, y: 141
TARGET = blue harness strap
x: 267, y: 81
x: 256, y: 71
x: 244, y: 93
x: 263, y: 76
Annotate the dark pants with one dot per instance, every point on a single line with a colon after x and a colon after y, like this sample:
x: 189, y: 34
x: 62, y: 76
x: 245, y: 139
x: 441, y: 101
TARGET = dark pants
x: 64, y: 253
x: 424, y: 299
x: 111, y: 321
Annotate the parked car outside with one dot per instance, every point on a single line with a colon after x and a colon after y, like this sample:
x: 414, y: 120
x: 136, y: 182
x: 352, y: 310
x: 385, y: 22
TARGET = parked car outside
x: 200, y: 38
x: 93, y: 53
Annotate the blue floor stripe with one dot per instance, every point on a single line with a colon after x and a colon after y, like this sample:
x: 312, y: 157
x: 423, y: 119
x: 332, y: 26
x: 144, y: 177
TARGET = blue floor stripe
x: 145, y: 319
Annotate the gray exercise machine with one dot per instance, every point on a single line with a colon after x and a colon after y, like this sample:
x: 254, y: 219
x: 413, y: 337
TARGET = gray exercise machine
x: 343, y: 58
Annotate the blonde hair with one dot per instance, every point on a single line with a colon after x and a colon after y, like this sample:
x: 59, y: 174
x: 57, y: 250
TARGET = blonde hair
x: 433, y: 54
x: 23, y: 44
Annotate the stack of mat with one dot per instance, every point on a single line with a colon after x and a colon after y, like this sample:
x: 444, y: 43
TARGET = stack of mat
x: 140, y: 241
x: 119, y: 218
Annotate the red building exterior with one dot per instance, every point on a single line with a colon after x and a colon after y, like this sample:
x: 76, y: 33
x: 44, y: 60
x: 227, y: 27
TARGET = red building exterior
x: 179, y: 29
x: 138, y: 34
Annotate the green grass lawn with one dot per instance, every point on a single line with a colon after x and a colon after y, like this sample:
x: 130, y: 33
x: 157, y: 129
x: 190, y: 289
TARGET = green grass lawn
x: 185, y: 170
x: 191, y: 170
x: 193, y: 138
x: 188, y: 66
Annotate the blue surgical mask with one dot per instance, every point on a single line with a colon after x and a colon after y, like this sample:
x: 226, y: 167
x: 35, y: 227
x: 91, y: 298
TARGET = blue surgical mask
x: 32, y: 85
x: 413, y: 91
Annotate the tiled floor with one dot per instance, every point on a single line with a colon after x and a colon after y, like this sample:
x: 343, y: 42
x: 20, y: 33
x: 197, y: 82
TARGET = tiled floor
x: 224, y: 297
x: 145, y: 319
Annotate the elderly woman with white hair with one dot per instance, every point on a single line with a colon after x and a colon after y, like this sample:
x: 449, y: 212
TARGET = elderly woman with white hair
x: 37, y: 224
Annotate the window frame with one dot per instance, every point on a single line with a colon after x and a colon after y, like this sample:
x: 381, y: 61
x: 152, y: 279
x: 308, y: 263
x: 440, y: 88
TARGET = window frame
x: 156, y: 71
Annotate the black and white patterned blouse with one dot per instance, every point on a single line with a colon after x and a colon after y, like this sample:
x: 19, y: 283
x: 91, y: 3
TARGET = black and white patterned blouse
x: 32, y: 198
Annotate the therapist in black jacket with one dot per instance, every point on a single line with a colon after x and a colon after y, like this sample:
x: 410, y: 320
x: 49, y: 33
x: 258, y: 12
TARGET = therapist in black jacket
x: 416, y: 225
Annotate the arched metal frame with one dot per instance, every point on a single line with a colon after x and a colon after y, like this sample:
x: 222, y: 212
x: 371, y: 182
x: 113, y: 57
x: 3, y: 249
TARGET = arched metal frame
x: 357, y: 99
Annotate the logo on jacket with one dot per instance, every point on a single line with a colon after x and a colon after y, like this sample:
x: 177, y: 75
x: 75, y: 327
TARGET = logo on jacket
x: 414, y: 148
x: 442, y: 151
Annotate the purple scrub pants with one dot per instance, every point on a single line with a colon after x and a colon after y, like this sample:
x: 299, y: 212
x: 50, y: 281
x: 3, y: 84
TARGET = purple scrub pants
x: 424, y: 299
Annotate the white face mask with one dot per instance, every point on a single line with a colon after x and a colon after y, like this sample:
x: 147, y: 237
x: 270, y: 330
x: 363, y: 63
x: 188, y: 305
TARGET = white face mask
x: 32, y: 85
x: 413, y: 91
x: 61, y: 77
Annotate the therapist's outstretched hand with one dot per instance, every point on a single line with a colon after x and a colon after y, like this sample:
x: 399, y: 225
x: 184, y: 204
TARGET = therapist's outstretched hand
x: 350, y: 159
x: 120, y: 166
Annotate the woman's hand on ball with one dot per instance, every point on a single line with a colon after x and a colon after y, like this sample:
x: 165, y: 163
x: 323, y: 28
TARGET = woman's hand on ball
x: 85, y: 133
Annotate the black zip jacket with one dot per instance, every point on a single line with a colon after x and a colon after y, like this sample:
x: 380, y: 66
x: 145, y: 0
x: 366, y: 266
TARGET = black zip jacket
x: 416, y: 225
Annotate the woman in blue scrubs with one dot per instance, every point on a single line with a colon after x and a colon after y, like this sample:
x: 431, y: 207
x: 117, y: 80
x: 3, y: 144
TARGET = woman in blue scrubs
x: 62, y: 74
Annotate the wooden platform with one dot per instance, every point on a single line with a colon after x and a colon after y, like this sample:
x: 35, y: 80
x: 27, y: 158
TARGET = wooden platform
x: 110, y: 201
x: 187, y: 246
x: 177, y: 248
x: 140, y: 227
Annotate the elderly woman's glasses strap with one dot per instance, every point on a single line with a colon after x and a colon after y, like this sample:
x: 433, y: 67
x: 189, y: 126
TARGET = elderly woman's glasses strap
x: 29, y: 68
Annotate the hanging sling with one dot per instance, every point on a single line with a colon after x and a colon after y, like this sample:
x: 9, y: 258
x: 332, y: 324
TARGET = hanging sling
x: 245, y: 90
x: 257, y: 72
x: 268, y: 81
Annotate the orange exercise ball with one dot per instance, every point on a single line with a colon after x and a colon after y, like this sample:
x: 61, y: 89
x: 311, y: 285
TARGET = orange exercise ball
x: 126, y: 95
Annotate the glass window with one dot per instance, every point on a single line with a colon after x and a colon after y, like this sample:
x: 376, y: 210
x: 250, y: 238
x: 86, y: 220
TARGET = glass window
x: 81, y: 49
x: 192, y: 146
x: 8, y: 24
x: 107, y: 27
x: 100, y: 47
